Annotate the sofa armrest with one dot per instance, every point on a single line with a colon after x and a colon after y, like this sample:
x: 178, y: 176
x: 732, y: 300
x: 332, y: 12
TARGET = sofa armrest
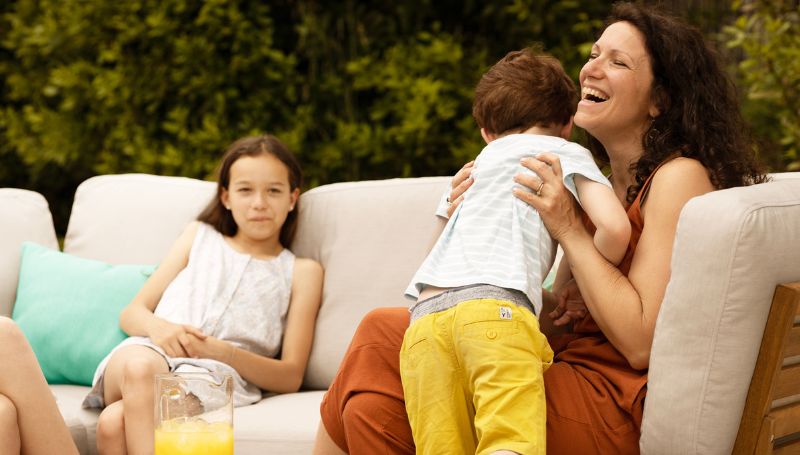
x: 24, y: 216
x: 732, y: 248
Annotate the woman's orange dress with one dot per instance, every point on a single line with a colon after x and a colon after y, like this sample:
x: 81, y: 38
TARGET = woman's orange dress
x: 594, y: 397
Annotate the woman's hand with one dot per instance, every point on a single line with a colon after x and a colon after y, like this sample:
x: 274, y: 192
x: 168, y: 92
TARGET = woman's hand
x: 461, y: 181
x: 173, y: 338
x: 548, y: 195
x: 570, y: 306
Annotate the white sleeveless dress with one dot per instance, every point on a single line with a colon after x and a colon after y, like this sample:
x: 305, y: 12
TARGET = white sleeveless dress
x: 226, y: 294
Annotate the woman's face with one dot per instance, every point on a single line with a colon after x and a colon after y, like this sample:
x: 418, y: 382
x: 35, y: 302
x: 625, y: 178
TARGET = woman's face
x: 616, y: 87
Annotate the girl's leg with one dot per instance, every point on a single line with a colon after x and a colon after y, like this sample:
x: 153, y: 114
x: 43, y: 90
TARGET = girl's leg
x: 129, y: 377
x: 9, y: 430
x: 111, y: 430
x: 39, y: 422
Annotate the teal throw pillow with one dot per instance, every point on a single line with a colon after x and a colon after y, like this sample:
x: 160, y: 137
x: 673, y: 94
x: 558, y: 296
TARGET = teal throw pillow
x: 68, y: 307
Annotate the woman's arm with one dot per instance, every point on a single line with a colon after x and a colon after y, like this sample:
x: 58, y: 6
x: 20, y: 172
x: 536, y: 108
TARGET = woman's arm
x: 625, y: 308
x: 282, y: 375
x: 137, y: 319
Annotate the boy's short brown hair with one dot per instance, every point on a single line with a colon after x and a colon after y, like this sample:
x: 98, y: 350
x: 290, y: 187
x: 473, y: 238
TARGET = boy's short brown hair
x: 522, y: 90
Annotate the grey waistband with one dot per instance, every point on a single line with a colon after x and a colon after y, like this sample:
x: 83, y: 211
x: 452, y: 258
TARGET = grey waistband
x: 453, y: 297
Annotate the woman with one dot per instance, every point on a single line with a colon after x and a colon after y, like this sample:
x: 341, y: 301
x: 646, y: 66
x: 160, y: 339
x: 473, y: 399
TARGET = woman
x: 29, y: 419
x: 660, y: 109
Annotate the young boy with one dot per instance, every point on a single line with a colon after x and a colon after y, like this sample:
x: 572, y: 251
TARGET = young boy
x: 473, y: 358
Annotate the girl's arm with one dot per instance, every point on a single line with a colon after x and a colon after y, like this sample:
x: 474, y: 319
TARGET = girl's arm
x: 625, y: 308
x: 137, y: 319
x: 282, y: 375
x: 603, y: 208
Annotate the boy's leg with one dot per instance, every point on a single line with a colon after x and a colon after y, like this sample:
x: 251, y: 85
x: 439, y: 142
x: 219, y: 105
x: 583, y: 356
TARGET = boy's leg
x: 504, y: 356
x: 439, y: 411
x: 129, y: 377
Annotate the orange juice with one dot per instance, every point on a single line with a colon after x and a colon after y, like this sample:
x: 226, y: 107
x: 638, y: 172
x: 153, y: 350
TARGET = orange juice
x: 193, y: 438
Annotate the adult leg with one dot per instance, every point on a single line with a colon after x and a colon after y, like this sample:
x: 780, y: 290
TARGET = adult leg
x: 582, y: 416
x: 40, y: 425
x: 9, y: 430
x: 129, y: 377
x: 363, y: 411
x: 111, y: 430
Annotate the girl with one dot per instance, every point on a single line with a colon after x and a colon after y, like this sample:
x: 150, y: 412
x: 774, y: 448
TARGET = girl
x: 227, y: 298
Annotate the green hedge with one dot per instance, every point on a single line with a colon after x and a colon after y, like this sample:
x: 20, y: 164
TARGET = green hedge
x: 358, y: 89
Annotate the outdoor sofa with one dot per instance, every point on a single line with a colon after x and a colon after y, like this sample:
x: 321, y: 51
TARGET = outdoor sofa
x: 733, y: 249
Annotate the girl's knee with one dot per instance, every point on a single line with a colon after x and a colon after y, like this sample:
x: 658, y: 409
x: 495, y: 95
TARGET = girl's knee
x: 141, y: 370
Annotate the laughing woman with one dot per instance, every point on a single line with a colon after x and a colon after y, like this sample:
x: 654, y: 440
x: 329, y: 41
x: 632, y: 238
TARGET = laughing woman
x: 662, y: 112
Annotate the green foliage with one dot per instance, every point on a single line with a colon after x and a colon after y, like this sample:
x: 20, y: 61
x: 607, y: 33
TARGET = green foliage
x: 358, y: 89
x: 768, y: 35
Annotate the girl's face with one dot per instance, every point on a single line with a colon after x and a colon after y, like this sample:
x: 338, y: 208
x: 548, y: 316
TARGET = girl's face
x: 616, y: 86
x: 259, y: 197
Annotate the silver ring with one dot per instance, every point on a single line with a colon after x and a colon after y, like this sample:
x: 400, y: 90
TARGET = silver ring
x: 539, y: 190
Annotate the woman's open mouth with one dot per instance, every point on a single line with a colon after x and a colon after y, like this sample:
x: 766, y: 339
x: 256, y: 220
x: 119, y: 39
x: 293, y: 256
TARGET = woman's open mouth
x: 595, y: 96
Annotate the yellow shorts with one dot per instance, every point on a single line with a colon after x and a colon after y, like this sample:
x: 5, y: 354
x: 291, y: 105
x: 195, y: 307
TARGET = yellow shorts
x: 472, y: 379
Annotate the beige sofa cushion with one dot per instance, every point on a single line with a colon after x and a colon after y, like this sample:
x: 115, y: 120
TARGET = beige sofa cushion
x: 133, y: 218
x: 731, y: 249
x: 342, y: 226
x: 24, y: 216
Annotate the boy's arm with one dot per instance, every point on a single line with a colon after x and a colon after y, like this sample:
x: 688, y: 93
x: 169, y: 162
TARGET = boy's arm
x: 604, y: 209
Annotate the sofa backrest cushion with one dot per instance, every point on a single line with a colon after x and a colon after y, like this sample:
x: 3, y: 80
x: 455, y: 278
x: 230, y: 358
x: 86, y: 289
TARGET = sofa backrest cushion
x: 24, y: 215
x: 370, y: 237
x: 732, y: 248
x: 133, y: 218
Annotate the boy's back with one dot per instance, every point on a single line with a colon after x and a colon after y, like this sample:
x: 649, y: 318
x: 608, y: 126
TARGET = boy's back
x: 493, y: 237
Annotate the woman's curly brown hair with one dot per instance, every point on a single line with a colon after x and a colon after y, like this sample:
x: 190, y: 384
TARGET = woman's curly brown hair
x: 699, y: 108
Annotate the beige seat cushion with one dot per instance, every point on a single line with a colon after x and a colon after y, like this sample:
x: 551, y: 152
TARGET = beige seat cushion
x: 24, y: 216
x: 732, y: 248
x: 370, y: 237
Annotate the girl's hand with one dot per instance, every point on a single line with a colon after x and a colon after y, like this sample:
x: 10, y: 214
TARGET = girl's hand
x: 548, y: 195
x: 570, y: 306
x: 461, y: 181
x: 208, y: 347
x: 172, y: 337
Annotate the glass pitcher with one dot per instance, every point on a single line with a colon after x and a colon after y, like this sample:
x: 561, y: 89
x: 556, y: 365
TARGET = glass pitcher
x: 194, y: 414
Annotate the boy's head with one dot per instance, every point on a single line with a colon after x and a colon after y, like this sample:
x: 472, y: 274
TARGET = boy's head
x: 522, y: 90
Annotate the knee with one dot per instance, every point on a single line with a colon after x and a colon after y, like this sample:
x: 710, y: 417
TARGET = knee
x: 367, y: 410
x: 11, y: 337
x: 139, y: 372
x: 8, y: 413
x: 110, y: 425
x: 378, y: 419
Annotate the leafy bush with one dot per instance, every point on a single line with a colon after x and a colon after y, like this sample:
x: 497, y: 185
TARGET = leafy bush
x: 768, y: 35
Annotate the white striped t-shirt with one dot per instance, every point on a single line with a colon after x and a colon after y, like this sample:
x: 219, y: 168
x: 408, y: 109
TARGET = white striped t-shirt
x: 493, y: 237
